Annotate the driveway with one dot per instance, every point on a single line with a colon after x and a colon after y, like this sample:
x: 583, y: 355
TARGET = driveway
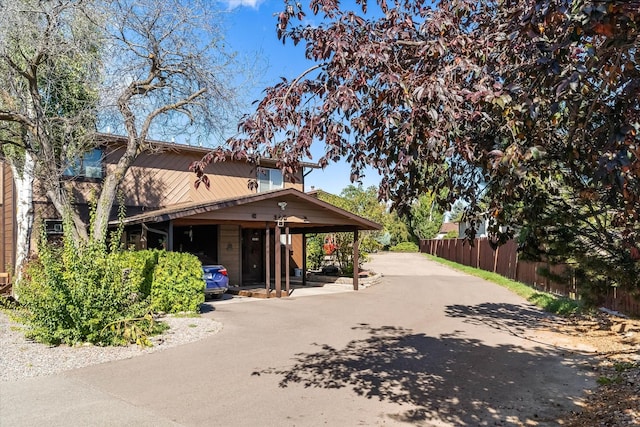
x: 426, y: 346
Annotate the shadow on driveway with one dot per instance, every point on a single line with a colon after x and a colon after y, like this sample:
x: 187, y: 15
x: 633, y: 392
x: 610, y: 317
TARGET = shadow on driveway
x: 457, y: 380
x: 512, y: 318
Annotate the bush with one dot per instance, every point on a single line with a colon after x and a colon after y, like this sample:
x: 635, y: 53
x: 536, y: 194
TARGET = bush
x: 315, y: 253
x: 138, y: 268
x: 453, y: 234
x: 554, y: 304
x: 178, y: 283
x: 83, y: 293
x: 404, y: 247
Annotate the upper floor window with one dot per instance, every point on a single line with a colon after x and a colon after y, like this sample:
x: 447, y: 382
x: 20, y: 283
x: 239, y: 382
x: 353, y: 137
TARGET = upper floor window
x: 87, y: 166
x: 269, y: 179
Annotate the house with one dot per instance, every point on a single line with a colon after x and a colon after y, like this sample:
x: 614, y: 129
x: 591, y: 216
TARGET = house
x: 257, y: 233
x: 446, y: 228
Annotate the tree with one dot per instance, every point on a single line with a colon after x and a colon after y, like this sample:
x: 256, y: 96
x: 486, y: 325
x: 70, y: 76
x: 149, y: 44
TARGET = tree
x: 46, y: 98
x: 567, y: 168
x: 362, y: 202
x: 426, y: 217
x: 528, y: 110
x: 456, y: 214
x: 137, y: 66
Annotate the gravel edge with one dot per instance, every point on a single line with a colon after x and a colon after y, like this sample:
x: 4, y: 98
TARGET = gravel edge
x: 22, y: 358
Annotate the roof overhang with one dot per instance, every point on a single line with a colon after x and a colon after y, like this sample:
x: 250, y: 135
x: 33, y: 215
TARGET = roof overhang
x: 301, y: 212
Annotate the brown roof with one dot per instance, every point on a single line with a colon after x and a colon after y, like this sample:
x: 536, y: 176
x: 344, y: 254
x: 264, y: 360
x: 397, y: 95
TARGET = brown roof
x: 303, y: 212
x: 449, y: 226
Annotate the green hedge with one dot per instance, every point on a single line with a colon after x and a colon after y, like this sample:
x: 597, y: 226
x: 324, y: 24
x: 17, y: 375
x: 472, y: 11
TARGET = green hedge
x: 178, y: 283
x: 138, y: 268
x: 404, y: 247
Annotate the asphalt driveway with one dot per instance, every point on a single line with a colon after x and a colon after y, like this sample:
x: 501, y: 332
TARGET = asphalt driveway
x: 427, y: 346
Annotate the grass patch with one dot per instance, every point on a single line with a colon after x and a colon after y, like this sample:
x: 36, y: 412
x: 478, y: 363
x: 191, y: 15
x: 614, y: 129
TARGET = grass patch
x: 562, y: 306
x: 617, y: 379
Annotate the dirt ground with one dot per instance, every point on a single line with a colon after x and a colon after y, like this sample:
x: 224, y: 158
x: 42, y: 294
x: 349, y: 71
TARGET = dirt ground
x: 615, y: 344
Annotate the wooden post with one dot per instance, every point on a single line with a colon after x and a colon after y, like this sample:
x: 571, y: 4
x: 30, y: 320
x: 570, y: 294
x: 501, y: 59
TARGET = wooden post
x: 304, y: 259
x: 170, y: 237
x: 278, y: 272
x: 356, y: 260
x: 268, y: 259
x: 286, y: 261
x: 143, y: 237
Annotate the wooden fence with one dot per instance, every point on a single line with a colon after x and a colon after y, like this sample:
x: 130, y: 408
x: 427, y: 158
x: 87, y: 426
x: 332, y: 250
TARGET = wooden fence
x: 504, y: 261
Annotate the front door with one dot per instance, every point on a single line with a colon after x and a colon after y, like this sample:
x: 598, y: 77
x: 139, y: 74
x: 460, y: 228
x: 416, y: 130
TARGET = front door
x: 252, y: 256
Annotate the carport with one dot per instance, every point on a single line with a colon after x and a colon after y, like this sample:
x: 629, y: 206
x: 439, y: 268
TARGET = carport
x: 252, y: 232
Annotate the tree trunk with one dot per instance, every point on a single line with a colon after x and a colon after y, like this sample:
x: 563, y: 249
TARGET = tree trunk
x: 23, y: 179
x: 110, y: 189
x: 60, y: 199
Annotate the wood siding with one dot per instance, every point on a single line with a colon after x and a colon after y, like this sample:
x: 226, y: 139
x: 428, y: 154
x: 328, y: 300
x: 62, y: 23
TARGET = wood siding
x: 296, y: 255
x: 7, y: 214
x: 230, y: 252
x: 164, y: 179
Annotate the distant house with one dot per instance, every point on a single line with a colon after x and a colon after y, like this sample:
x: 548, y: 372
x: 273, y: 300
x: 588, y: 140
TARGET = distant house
x: 446, y: 228
x: 481, y: 228
x: 257, y: 233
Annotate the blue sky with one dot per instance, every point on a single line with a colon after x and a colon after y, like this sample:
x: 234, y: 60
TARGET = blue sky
x: 251, y: 32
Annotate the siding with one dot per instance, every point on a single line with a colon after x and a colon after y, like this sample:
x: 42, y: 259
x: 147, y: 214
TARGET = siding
x: 7, y: 214
x: 164, y: 179
x: 230, y: 252
x: 296, y: 256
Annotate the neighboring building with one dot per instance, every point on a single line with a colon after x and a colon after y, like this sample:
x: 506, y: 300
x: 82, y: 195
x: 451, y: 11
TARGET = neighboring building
x: 446, y: 228
x: 228, y: 223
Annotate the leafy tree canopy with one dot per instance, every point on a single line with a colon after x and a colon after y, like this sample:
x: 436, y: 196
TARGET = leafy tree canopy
x: 526, y: 109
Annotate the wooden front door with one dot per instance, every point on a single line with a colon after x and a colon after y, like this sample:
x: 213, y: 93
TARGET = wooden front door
x: 252, y: 256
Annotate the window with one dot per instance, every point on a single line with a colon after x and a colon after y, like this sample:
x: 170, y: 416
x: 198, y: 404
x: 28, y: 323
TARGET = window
x: 88, y: 166
x: 53, y: 226
x: 269, y: 179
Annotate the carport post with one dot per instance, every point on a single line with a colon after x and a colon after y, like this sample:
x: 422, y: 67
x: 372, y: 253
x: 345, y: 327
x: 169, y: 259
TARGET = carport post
x: 286, y: 261
x: 267, y: 266
x: 304, y: 259
x: 278, y: 268
x: 356, y: 261
x: 170, y: 237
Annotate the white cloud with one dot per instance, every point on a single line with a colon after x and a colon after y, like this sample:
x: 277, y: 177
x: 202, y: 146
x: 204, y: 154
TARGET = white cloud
x: 232, y: 4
